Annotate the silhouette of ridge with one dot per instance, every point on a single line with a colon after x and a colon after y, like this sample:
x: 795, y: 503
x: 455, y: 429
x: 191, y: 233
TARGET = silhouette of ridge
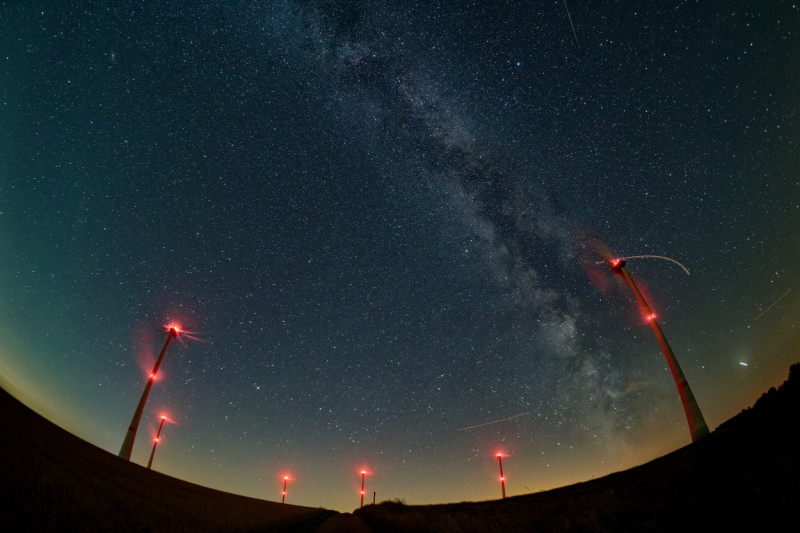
x: 744, y: 476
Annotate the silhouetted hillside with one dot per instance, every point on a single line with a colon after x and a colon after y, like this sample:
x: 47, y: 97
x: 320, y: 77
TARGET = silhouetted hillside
x: 742, y: 477
x: 54, y: 481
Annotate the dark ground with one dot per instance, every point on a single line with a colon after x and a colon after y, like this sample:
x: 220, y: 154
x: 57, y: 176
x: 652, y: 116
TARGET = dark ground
x: 745, y: 476
x: 54, y: 481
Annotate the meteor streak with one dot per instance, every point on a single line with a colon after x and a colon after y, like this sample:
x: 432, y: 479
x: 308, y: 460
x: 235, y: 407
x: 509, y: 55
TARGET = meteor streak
x: 570, y: 21
x: 773, y: 305
x: 495, y: 421
x: 650, y: 256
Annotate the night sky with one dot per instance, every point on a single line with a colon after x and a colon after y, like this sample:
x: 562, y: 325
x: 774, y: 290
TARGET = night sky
x: 384, y: 221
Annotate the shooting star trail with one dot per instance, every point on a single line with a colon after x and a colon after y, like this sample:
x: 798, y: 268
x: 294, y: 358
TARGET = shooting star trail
x: 651, y: 256
x: 495, y: 421
x: 570, y: 21
x: 773, y: 305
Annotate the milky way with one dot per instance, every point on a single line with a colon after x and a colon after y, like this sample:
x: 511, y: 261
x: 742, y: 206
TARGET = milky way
x: 385, y: 222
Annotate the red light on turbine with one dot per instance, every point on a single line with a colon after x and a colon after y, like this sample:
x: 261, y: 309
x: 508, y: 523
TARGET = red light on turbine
x: 156, y: 439
x: 651, y: 317
x: 363, y: 476
x: 173, y: 329
x: 502, y: 476
x: 152, y: 377
x: 616, y: 264
x: 283, y: 492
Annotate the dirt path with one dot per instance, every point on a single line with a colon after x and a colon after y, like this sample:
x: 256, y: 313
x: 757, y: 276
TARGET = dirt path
x: 343, y: 523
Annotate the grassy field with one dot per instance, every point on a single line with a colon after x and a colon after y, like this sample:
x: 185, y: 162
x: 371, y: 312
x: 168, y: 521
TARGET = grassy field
x: 745, y: 476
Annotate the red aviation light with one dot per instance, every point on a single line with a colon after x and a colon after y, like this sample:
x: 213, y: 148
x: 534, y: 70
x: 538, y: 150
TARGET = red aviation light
x: 651, y: 317
x: 283, y: 492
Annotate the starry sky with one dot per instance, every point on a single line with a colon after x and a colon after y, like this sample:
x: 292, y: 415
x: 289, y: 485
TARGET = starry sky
x: 383, y: 221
